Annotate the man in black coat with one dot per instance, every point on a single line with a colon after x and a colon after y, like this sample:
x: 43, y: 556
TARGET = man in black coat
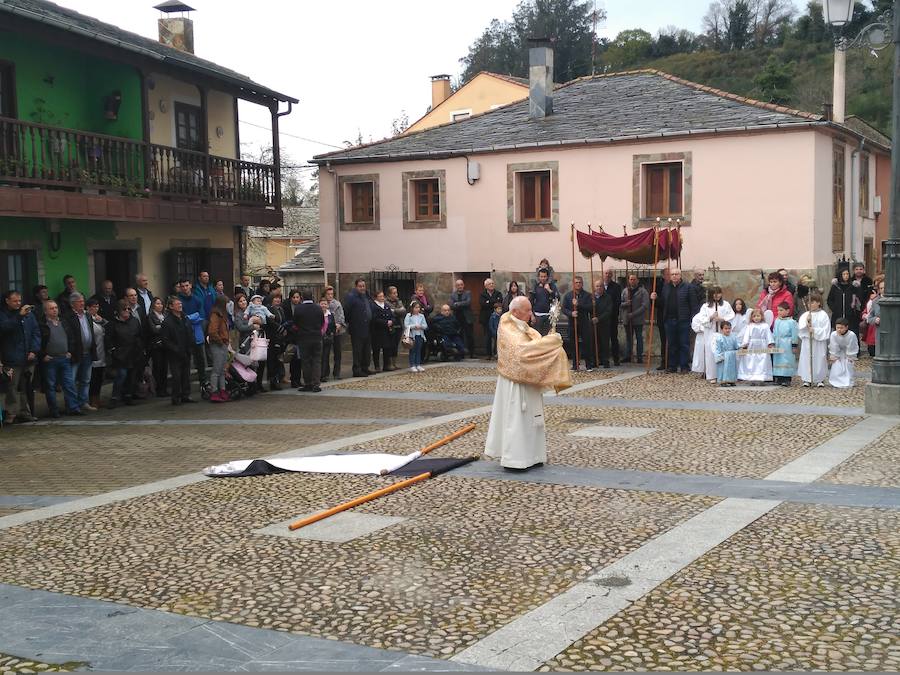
x: 601, y: 316
x: 178, y: 341
x: 681, y: 306
x: 614, y: 291
x: 358, y: 314
x: 542, y: 296
x: 309, y: 320
x: 659, y: 314
x: 461, y: 304
x: 106, y: 299
x: 486, y: 301
x: 577, y: 306
x: 124, y: 342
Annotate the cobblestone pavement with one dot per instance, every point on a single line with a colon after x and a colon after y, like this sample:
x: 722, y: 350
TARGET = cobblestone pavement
x: 808, y: 586
x: 804, y: 588
x: 677, y: 387
x: 465, y: 561
x: 89, y: 460
x: 743, y: 445
x: 877, y: 464
x: 14, y: 664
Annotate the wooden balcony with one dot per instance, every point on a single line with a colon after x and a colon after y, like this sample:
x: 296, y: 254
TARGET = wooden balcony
x: 87, y: 168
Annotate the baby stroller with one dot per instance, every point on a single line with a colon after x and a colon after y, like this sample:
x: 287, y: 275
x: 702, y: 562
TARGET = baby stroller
x: 240, y: 373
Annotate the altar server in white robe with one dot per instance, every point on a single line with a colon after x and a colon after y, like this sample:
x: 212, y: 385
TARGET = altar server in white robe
x: 527, y: 365
x: 698, y: 363
x: 758, y: 338
x: 843, y: 348
x: 712, y: 314
x: 814, y: 329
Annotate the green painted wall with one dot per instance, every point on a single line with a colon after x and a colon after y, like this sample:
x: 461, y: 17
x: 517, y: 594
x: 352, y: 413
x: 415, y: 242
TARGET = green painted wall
x: 72, y: 256
x: 72, y: 86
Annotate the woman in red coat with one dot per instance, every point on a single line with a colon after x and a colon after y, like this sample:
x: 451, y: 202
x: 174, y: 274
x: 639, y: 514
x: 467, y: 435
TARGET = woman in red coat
x: 770, y: 298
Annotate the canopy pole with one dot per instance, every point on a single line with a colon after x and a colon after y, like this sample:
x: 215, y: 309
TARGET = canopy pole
x: 594, y: 326
x: 316, y: 517
x: 574, y: 306
x: 653, y: 300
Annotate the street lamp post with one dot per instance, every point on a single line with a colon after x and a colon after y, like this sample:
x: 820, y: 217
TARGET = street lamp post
x: 883, y: 394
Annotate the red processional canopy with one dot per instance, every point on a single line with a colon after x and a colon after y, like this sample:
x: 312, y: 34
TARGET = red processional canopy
x: 635, y: 248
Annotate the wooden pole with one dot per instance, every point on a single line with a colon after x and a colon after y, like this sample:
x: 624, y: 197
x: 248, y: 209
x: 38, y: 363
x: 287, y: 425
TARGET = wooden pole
x: 594, y: 326
x: 452, y: 437
x: 574, y: 306
x: 309, y: 520
x: 653, y: 301
x: 359, y: 500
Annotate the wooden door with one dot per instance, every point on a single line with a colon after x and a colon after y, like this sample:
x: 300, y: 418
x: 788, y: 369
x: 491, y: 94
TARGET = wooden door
x: 474, y: 282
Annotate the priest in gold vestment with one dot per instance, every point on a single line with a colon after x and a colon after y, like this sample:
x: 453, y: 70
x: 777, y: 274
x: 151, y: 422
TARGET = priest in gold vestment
x: 527, y: 365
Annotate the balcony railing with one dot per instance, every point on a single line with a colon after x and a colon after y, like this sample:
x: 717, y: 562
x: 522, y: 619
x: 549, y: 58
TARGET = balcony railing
x: 40, y: 155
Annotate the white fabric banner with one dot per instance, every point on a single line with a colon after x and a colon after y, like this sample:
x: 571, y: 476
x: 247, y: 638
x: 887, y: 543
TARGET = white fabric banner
x: 357, y: 464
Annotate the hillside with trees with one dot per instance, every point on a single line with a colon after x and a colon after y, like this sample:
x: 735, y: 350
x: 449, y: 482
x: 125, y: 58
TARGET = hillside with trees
x: 763, y: 49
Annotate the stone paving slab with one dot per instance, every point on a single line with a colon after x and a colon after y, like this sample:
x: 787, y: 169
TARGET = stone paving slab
x: 677, y: 387
x: 742, y: 488
x: 80, y: 633
x: 877, y: 464
x: 464, y: 562
x: 743, y: 445
x: 803, y: 588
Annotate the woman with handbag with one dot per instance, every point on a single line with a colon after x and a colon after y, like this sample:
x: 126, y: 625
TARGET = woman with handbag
x: 328, y: 330
x: 396, y: 304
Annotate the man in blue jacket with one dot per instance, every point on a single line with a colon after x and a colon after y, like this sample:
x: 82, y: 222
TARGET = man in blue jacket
x: 20, y: 338
x: 358, y: 313
x: 192, y: 306
x: 681, y: 304
x: 205, y: 294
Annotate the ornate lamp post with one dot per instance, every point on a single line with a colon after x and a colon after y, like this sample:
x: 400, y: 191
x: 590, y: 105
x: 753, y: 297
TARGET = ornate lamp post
x: 883, y: 394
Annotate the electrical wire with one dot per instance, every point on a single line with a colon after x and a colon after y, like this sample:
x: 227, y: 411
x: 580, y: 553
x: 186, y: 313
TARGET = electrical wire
x: 300, y: 138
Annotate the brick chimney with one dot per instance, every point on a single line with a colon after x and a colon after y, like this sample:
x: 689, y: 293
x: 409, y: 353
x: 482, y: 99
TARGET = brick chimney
x: 176, y: 31
x: 440, y: 89
x: 540, y: 78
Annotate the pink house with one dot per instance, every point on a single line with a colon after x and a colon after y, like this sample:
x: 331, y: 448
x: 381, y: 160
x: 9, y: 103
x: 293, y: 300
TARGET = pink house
x: 755, y: 186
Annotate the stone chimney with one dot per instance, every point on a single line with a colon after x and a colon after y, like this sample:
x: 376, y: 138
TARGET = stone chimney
x: 540, y: 78
x: 440, y: 89
x: 176, y: 31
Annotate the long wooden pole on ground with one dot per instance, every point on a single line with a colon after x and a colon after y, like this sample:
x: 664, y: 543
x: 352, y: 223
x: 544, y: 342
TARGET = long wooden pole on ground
x: 574, y: 306
x: 316, y: 517
x: 653, y: 300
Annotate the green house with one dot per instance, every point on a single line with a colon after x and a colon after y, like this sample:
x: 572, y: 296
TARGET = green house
x: 121, y: 155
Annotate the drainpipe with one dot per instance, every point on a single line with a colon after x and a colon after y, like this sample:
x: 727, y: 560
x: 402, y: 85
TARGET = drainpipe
x: 337, y: 230
x: 854, y: 197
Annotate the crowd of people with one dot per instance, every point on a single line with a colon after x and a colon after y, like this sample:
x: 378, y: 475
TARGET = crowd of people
x: 148, y: 345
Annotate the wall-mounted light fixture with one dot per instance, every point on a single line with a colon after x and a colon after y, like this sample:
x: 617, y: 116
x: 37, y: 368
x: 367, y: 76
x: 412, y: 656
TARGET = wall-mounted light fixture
x: 163, y: 106
x: 220, y: 132
x: 111, y: 105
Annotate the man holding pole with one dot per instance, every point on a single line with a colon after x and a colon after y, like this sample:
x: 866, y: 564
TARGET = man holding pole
x: 635, y: 303
x: 527, y: 364
x: 577, y: 305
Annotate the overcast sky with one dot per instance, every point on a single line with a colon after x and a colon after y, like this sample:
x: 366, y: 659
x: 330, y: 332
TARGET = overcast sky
x: 354, y: 65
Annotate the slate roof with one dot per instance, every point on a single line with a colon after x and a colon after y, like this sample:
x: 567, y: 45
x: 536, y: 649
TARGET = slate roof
x: 307, y: 259
x: 615, y: 107
x: 51, y: 14
x: 299, y: 221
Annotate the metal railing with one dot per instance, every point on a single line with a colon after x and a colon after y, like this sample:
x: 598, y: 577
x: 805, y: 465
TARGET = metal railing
x: 45, y: 156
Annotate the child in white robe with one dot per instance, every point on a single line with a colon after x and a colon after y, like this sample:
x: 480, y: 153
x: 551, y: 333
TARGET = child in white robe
x: 843, y: 348
x: 758, y: 338
x: 814, y: 329
x: 711, y: 316
x: 698, y: 363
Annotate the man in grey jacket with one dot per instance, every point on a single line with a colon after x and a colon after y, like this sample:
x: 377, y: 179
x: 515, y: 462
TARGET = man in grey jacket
x: 635, y: 304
